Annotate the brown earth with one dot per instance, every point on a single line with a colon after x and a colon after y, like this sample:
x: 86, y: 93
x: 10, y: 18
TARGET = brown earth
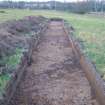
x: 55, y: 76
x: 15, y: 35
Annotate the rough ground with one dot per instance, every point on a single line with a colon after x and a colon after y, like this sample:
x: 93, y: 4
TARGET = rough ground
x: 15, y: 36
x: 55, y: 76
x: 13, y: 33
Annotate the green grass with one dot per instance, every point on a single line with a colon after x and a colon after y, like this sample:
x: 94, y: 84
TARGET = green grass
x: 11, y: 62
x: 3, y: 81
x: 90, y: 29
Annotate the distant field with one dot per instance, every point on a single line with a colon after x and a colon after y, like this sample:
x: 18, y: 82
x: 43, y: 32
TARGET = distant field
x: 91, y: 30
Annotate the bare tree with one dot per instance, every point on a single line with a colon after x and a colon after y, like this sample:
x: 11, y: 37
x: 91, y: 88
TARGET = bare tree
x: 64, y: 4
x: 102, y: 5
x: 55, y: 4
x: 95, y: 5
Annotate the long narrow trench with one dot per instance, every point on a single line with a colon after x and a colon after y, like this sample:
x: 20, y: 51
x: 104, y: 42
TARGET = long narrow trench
x: 55, y: 76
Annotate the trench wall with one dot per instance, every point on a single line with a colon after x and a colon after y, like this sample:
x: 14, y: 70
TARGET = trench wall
x: 96, y: 82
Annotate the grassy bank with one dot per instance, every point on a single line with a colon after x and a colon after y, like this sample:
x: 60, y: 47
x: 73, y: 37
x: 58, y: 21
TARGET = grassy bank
x: 90, y: 30
x: 11, y: 62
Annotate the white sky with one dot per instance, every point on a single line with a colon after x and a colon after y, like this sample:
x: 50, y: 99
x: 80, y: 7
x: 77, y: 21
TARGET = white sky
x: 45, y: 0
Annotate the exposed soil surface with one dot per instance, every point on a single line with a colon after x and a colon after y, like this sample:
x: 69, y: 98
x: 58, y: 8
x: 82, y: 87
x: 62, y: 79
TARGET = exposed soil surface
x: 15, y: 36
x: 13, y: 33
x: 55, y: 76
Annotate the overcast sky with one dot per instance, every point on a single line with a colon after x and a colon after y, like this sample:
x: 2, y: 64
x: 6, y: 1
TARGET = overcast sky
x: 44, y: 0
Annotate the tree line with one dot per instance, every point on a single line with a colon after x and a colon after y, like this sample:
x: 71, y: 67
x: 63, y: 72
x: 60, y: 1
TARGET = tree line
x: 77, y: 7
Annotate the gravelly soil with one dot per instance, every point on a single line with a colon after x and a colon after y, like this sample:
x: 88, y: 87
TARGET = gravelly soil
x: 55, y: 76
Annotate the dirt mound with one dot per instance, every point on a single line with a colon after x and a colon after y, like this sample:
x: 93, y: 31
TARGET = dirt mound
x: 17, y: 33
x: 14, y: 33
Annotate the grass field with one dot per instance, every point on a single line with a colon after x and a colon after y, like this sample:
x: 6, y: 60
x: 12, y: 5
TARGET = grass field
x: 90, y: 30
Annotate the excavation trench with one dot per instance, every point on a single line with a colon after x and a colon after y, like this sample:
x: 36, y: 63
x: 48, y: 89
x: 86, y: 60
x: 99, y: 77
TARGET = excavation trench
x: 55, y: 76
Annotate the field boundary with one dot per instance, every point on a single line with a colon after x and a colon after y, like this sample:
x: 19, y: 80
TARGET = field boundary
x: 96, y: 82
